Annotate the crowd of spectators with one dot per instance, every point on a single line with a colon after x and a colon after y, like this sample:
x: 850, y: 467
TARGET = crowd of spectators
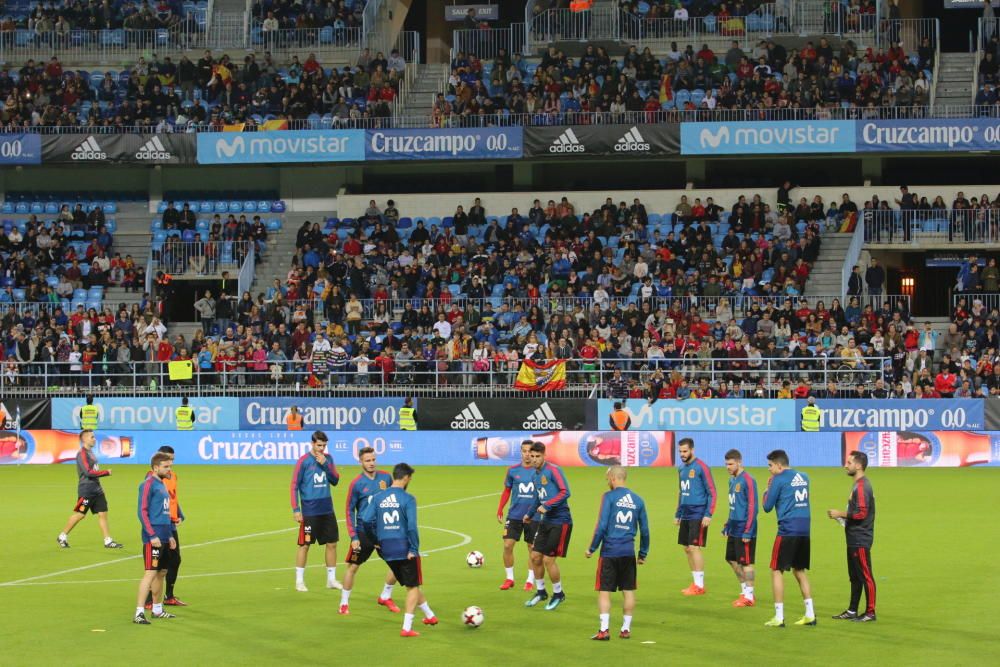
x: 988, y: 73
x: 766, y: 82
x: 211, y: 92
x: 275, y: 15
x: 52, y: 22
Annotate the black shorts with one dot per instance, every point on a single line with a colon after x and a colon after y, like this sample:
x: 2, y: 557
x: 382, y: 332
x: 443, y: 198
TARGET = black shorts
x: 690, y: 533
x: 513, y: 529
x: 738, y: 551
x: 552, y: 539
x: 93, y: 504
x: 790, y: 552
x: 407, y: 572
x: 364, y: 552
x: 616, y: 573
x: 158, y: 558
x: 321, y: 529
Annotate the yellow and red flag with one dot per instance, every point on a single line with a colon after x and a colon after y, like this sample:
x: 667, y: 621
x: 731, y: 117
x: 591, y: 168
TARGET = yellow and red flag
x: 546, y: 376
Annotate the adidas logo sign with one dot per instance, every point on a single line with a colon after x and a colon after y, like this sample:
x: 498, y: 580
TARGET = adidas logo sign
x: 798, y: 480
x: 631, y: 142
x: 626, y: 502
x: 153, y: 150
x: 542, y: 418
x: 567, y: 143
x: 470, y: 419
x: 389, y: 501
x: 88, y: 150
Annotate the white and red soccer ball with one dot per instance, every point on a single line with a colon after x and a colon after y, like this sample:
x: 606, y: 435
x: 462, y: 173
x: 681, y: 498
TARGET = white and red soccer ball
x: 472, y: 617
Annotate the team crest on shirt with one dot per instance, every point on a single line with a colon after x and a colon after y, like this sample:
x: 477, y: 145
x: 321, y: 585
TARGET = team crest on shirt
x: 691, y: 474
x: 737, y: 489
x: 381, y: 485
x: 544, y: 480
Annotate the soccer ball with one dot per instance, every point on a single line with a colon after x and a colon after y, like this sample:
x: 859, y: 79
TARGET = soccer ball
x: 474, y: 559
x: 472, y: 617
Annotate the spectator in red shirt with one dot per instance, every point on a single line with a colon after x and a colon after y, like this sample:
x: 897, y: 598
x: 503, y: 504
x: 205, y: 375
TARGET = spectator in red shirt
x: 945, y: 383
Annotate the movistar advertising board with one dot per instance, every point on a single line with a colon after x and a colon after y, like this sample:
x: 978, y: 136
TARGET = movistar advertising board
x: 281, y: 146
x: 767, y: 137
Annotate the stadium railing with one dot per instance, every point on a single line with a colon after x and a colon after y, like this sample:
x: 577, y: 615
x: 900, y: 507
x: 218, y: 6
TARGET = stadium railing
x: 102, y: 45
x: 204, y: 258
x: 323, y: 41
x: 990, y: 300
x: 970, y: 225
x: 444, y: 378
x: 486, y: 44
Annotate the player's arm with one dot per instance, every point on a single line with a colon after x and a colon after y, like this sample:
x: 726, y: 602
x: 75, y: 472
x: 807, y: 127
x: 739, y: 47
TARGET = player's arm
x: 331, y: 471
x: 412, y: 536
x: 350, y: 515
x: 709, y: 484
x: 562, y: 495
x: 144, y: 506
x: 643, y: 533
x: 88, y: 470
x: 602, y: 525
x: 750, y: 488
x: 296, y: 475
x: 770, y: 496
x: 505, y: 496
x: 680, y: 496
x: 859, y: 504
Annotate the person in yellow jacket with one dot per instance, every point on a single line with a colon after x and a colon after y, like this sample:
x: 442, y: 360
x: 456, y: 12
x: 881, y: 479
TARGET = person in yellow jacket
x: 184, y: 415
x: 810, y: 416
x: 407, y: 415
x: 294, y: 419
x: 620, y: 419
x: 89, y: 415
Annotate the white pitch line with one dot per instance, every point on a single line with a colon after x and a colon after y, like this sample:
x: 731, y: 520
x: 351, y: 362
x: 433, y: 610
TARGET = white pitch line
x: 466, y: 539
x: 236, y: 538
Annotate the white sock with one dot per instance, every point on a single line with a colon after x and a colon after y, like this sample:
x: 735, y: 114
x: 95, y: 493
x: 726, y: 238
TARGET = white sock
x: 300, y: 575
x: 779, y: 611
x: 809, y: 608
x: 743, y: 589
x: 699, y: 579
x: 387, y: 591
x: 139, y: 610
x: 345, y: 597
x: 509, y: 573
x: 426, y: 608
x: 540, y: 585
x: 605, y: 622
x: 407, y: 621
x: 63, y: 536
x: 557, y: 586
x: 626, y: 622
x: 531, y: 577
x: 108, y: 540
x: 157, y: 608
x: 331, y: 573
x: 748, y: 594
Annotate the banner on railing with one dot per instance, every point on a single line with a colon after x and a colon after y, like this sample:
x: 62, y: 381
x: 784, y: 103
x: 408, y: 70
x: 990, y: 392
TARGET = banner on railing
x: 546, y: 376
x: 942, y: 414
x: 118, y: 148
x: 566, y: 448
x: 279, y: 147
x: 577, y: 141
x: 924, y: 449
x: 482, y: 143
x: 20, y: 149
x: 508, y: 414
x: 24, y: 413
x: 766, y: 137
x: 333, y: 414
x: 151, y: 414
x: 928, y: 134
x: 705, y: 415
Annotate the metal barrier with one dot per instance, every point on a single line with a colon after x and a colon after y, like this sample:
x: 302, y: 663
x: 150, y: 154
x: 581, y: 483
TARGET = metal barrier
x: 325, y: 40
x: 201, y: 258
x: 100, y: 45
x: 909, y: 32
x: 486, y: 43
x: 585, y: 378
x: 989, y: 301
x: 960, y: 226
x: 988, y: 29
x: 853, y: 256
x: 601, y: 23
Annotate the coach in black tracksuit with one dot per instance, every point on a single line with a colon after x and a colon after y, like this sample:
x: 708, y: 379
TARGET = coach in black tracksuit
x: 859, y: 524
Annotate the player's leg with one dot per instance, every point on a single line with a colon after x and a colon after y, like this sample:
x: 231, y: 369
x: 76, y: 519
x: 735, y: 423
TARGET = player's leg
x: 538, y: 568
x: 429, y: 617
x: 529, y: 538
x: 857, y: 585
x: 628, y: 607
x: 348, y: 583
x: 331, y: 566
x: 738, y: 571
x: 301, y: 557
x: 102, y: 520
x: 778, y: 590
x: 604, y: 613
x: 864, y: 555
x: 175, y: 566
x: 74, y: 518
x: 158, y: 586
x: 409, y: 606
x: 385, y: 599
x: 508, y: 563
x: 748, y: 583
x: 810, y: 613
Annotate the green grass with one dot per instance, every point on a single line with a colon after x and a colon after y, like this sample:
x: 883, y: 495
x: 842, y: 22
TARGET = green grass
x: 936, y: 537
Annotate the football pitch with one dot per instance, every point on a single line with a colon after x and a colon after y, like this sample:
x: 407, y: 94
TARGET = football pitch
x: 936, y: 531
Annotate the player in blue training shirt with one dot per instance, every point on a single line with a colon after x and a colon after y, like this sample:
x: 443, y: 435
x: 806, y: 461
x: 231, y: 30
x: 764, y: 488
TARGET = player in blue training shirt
x: 519, y: 484
x: 622, y: 516
x: 394, y: 515
x: 741, y: 528
x: 695, y: 506
x: 554, y: 522
x: 788, y: 495
x: 312, y: 508
x: 158, y: 544
x: 359, y: 494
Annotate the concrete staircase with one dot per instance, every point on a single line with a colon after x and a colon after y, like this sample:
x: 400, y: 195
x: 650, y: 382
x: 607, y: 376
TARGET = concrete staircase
x: 131, y: 238
x: 825, y: 278
x: 281, y: 249
x: 429, y: 80
x: 955, y: 76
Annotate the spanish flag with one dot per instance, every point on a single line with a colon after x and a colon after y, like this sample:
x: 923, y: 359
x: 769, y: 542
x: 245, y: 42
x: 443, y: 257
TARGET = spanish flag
x: 275, y: 124
x: 546, y: 376
x: 234, y: 127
